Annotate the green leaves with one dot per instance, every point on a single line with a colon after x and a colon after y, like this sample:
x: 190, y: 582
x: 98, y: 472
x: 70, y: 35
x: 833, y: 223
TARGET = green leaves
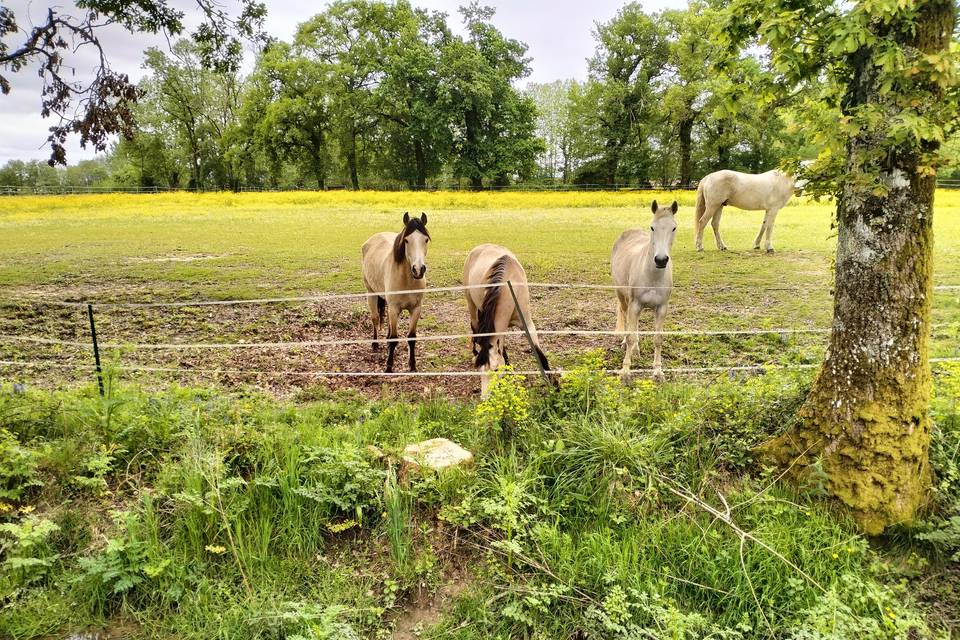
x: 884, y: 86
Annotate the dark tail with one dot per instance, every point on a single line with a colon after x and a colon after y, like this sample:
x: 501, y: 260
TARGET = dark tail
x: 381, y: 308
x: 488, y: 311
x: 554, y: 378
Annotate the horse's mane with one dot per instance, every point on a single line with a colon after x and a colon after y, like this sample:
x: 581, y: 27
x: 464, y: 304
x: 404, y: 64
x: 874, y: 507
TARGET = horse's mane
x: 488, y: 310
x: 399, y: 246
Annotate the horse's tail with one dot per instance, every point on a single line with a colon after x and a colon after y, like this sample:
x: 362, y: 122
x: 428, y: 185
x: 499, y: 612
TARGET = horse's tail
x: 701, y: 204
x: 486, y: 316
x: 554, y: 379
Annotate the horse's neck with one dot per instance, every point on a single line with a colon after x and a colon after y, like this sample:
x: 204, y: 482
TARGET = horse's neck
x: 401, y: 277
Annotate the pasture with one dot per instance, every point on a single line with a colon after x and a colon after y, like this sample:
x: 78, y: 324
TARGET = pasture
x: 121, y: 248
x: 188, y: 504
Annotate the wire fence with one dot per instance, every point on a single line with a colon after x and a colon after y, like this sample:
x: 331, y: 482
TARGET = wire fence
x: 68, y: 189
x: 320, y: 374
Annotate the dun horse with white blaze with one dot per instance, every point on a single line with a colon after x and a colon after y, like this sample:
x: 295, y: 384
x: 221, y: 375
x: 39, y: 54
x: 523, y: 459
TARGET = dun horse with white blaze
x: 492, y: 309
x: 768, y: 191
x: 394, y: 263
x: 643, y: 273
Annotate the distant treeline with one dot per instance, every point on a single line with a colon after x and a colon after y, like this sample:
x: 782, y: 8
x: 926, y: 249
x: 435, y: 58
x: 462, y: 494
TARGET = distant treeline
x: 370, y: 94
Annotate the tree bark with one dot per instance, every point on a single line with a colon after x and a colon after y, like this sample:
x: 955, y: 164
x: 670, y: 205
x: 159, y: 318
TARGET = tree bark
x: 866, y: 418
x: 421, y: 162
x: 472, y: 152
x: 352, y: 160
x: 723, y: 148
x: 686, y: 134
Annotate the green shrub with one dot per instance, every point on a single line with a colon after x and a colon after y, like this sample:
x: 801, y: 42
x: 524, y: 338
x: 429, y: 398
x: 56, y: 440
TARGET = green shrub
x: 28, y: 556
x: 507, y: 407
x: 18, y: 468
x: 733, y: 417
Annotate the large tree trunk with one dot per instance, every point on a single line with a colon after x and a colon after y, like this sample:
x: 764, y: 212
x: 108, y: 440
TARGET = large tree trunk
x: 723, y: 148
x: 421, y: 160
x: 866, y: 419
x: 472, y: 152
x: 686, y: 133
x: 352, y: 160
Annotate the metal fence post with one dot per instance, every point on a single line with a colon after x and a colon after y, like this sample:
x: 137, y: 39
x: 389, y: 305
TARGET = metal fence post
x: 526, y: 330
x: 96, y: 348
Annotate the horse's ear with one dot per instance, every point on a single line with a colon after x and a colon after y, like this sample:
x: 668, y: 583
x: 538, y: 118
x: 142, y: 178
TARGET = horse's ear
x: 406, y: 217
x: 674, y: 206
x: 423, y: 218
x: 653, y: 207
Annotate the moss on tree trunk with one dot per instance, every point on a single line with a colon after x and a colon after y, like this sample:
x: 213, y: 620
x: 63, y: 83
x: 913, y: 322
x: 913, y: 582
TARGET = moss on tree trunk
x: 866, y: 422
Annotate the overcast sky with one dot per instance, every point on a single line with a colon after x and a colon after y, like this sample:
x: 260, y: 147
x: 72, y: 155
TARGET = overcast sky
x: 559, y: 33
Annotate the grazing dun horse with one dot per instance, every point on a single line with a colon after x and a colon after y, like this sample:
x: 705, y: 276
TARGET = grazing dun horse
x: 768, y: 191
x: 643, y: 274
x: 492, y: 309
x: 396, y: 262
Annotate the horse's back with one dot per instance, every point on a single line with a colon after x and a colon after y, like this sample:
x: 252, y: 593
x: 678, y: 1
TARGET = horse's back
x: 628, y: 247
x: 750, y: 191
x: 626, y: 251
x: 480, y: 262
x: 375, y: 252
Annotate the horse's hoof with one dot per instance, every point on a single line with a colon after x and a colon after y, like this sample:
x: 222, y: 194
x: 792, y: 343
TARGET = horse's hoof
x: 658, y: 376
x: 375, y: 347
x: 722, y: 248
x: 624, y: 376
x: 770, y: 250
x: 699, y: 249
x: 756, y: 248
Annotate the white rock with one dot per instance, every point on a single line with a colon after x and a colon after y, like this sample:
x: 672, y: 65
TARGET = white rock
x: 437, y: 454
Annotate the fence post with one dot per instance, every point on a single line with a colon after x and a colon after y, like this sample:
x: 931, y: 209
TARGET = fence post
x: 96, y: 348
x: 526, y: 330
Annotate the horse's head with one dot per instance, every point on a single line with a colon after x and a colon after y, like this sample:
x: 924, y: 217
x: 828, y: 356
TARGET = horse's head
x: 489, y: 352
x: 663, y: 229
x: 411, y: 244
x: 490, y: 356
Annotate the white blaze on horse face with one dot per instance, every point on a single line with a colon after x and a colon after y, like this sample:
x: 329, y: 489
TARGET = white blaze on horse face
x: 663, y: 230
x: 416, y: 251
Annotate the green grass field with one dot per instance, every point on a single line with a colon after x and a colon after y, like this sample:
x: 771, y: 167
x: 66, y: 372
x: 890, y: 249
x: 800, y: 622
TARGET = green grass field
x: 197, y: 506
x: 223, y: 246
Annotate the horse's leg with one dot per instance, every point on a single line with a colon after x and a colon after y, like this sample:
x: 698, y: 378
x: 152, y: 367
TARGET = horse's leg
x: 768, y: 222
x: 393, y: 318
x: 709, y: 213
x: 633, y: 341
x: 474, y: 323
x: 411, y: 337
x: 659, y: 315
x: 715, y: 223
x: 763, y: 225
x: 372, y: 304
x: 621, y: 313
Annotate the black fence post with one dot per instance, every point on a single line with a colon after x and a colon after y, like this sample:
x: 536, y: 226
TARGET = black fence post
x: 96, y: 348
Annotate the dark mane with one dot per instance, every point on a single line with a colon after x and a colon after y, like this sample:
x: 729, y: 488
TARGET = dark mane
x: 399, y: 246
x: 488, y: 310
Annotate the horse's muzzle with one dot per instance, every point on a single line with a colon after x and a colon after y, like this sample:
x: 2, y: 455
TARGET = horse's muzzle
x: 661, y: 261
x: 419, y: 275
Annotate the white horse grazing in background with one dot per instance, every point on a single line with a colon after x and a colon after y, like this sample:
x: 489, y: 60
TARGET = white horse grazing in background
x: 643, y: 273
x: 768, y: 191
